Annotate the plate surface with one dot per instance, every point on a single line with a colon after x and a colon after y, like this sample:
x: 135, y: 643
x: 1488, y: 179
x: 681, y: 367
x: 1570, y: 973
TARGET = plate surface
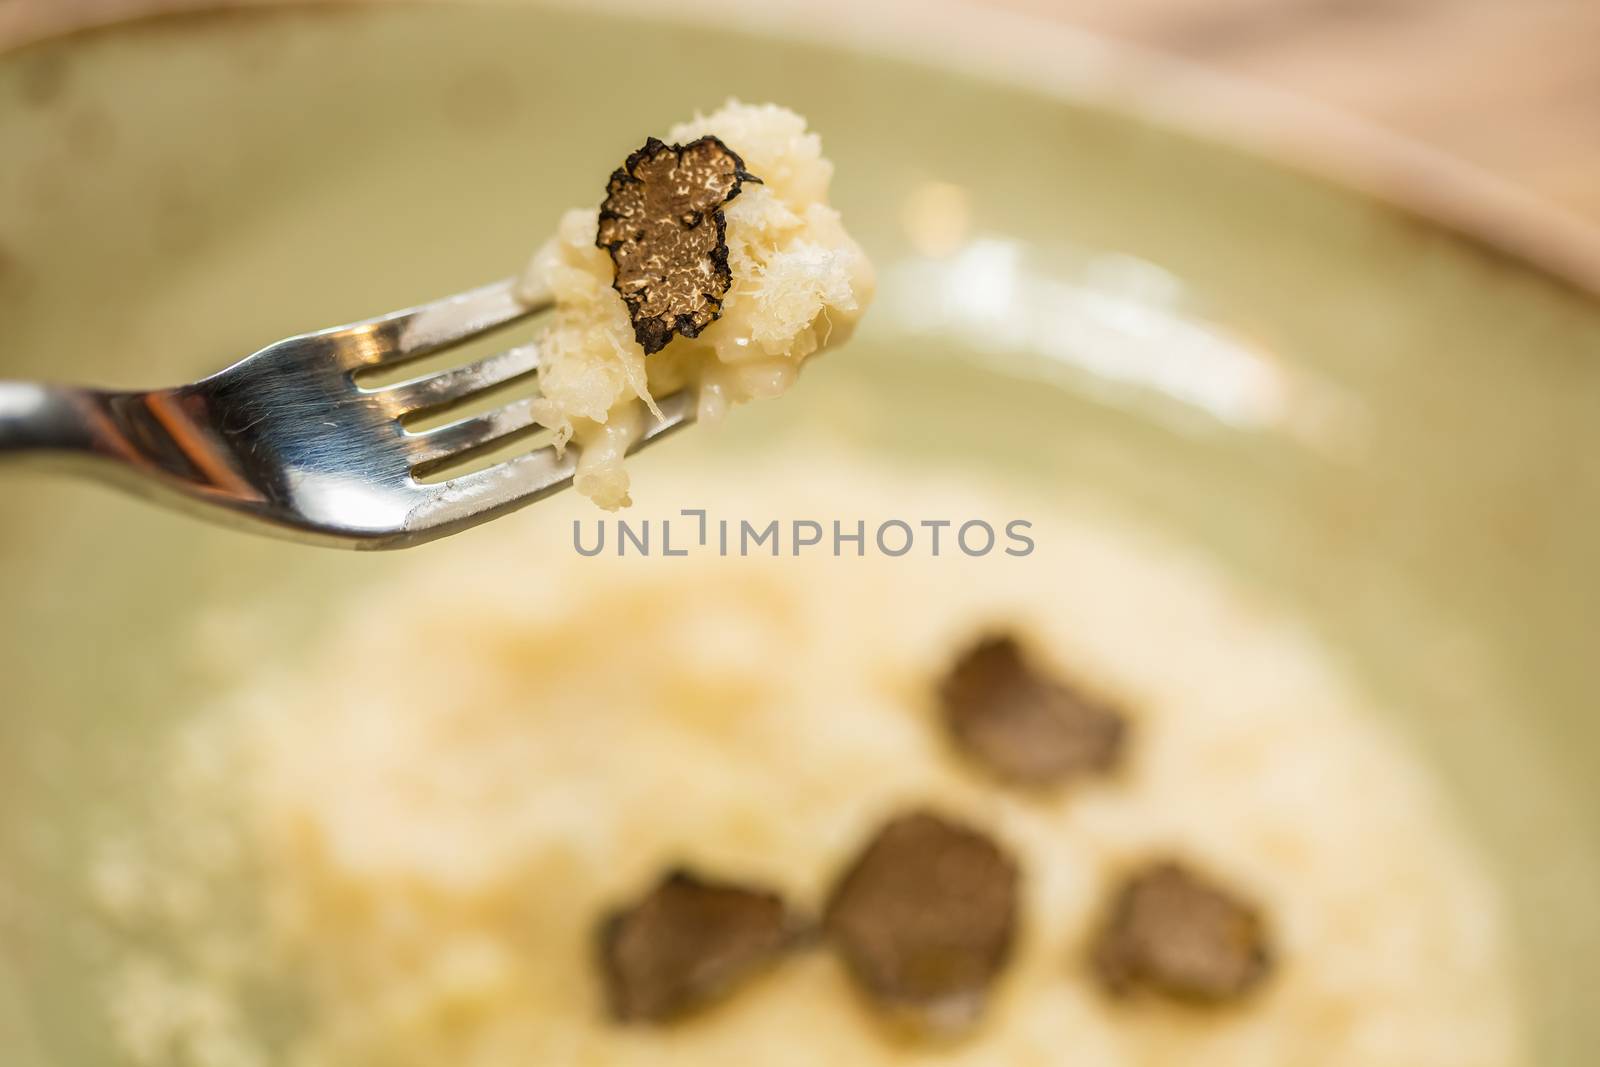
x: 1385, y: 429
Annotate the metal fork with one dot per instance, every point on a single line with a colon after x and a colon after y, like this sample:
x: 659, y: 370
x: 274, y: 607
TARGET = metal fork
x: 289, y: 442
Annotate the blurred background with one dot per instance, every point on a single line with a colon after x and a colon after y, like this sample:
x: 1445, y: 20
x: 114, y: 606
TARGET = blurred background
x: 1381, y: 428
x: 1510, y: 85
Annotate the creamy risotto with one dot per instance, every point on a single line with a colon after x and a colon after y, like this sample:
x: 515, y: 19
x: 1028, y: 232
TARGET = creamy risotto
x: 799, y: 283
x: 399, y: 852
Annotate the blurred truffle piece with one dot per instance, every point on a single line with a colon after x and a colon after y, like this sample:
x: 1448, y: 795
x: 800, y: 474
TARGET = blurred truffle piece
x: 1172, y: 932
x: 925, y: 919
x: 1024, y: 726
x: 663, y: 224
x: 686, y: 944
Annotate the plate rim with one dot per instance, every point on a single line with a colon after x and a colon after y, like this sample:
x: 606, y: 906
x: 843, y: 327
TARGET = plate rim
x: 1050, y: 56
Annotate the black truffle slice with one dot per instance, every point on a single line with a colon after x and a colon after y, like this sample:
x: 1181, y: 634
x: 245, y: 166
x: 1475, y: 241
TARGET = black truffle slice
x: 925, y: 918
x: 663, y: 224
x: 1172, y: 932
x: 1023, y: 726
x: 686, y: 944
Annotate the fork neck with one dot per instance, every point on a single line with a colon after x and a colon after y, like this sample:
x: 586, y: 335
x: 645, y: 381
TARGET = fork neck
x: 38, y: 419
x: 165, y: 441
x: 166, y: 433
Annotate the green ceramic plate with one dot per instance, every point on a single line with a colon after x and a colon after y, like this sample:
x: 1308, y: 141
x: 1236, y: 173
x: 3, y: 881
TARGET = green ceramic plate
x: 1380, y: 425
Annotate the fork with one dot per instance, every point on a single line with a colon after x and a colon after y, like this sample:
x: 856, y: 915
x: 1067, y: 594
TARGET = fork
x: 289, y: 442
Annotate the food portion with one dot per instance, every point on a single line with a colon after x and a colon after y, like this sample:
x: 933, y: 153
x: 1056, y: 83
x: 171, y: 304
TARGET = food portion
x: 757, y: 844
x: 1023, y: 725
x: 925, y: 919
x: 687, y: 943
x: 1172, y: 931
x: 715, y: 263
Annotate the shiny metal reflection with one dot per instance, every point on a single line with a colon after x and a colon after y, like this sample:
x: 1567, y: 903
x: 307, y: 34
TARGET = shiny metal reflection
x: 287, y: 440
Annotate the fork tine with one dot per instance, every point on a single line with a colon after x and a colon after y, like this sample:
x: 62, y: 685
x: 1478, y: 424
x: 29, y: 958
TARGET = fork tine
x: 481, y: 495
x: 467, y: 435
x: 430, y: 327
x: 459, y: 383
x: 475, y: 497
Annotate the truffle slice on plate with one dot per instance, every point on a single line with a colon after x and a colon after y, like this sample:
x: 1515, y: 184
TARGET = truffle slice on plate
x: 686, y: 944
x: 924, y: 919
x: 1022, y: 725
x: 663, y: 224
x: 1176, y: 933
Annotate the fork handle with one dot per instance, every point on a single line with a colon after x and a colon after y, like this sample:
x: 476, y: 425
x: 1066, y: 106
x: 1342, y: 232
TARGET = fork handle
x: 36, y: 418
